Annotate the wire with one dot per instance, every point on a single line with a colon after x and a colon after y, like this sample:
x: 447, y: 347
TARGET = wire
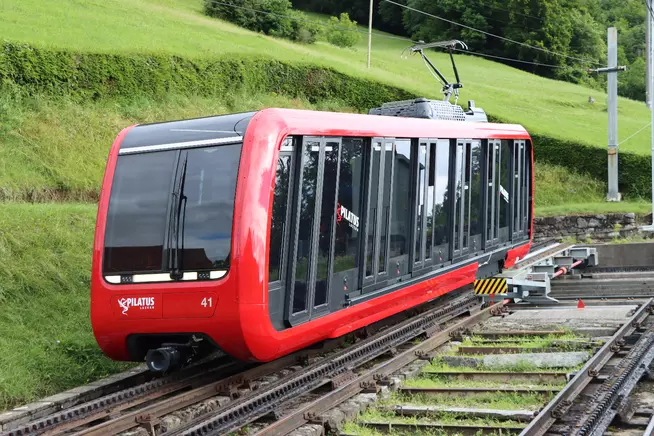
x: 649, y: 8
x: 507, y: 10
x: 631, y: 136
x: 216, y: 2
x: 510, y: 59
x: 492, y: 34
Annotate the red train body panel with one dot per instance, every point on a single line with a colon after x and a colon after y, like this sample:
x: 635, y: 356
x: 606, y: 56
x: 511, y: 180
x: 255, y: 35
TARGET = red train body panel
x: 237, y: 319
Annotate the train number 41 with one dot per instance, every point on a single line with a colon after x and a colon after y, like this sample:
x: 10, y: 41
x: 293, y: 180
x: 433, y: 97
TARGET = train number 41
x: 207, y: 302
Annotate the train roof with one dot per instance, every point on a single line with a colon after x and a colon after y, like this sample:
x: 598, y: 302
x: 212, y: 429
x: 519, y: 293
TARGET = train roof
x: 301, y: 122
x: 305, y: 122
x: 197, y: 129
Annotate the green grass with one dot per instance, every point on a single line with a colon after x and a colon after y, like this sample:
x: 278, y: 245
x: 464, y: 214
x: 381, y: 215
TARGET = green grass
x: 447, y: 382
x: 54, y: 149
x: 544, y: 106
x: 492, y: 400
x: 438, y: 365
x: 560, y: 191
x: 46, y: 342
x: 377, y: 415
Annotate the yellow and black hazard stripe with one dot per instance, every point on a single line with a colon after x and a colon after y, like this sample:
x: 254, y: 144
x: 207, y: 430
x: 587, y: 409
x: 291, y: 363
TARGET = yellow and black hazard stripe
x: 490, y: 286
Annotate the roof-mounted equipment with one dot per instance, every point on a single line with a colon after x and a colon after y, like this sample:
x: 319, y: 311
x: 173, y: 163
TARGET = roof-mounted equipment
x: 434, y: 109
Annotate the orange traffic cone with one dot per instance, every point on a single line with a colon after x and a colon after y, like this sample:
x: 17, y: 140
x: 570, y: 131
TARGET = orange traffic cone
x: 492, y: 299
x: 580, y: 304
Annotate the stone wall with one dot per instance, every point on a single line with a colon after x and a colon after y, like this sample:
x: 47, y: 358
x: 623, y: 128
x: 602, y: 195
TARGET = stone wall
x: 601, y: 227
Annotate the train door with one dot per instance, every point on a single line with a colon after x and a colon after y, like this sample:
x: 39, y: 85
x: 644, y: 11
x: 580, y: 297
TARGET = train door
x: 314, y: 221
x: 493, y: 193
x: 519, y: 192
x: 505, y: 187
x: 431, y: 240
x: 378, y: 213
x: 461, y: 218
x: 348, y: 228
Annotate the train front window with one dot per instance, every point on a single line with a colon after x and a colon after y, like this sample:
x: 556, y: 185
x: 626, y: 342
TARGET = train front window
x: 152, y: 192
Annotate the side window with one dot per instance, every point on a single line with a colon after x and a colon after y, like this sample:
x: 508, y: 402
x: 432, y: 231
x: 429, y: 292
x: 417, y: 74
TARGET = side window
x: 349, y: 206
x: 442, y: 197
x: 476, y: 162
x: 401, y: 209
x: 310, y: 155
x: 279, y: 216
x: 505, y: 188
x: 420, y: 189
x: 327, y: 207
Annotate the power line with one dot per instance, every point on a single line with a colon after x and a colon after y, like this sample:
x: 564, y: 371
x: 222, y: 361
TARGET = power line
x: 382, y: 35
x: 290, y: 17
x: 637, y: 132
x: 492, y: 34
x: 510, y: 59
x: 649, y: 8
x: 515, y: 12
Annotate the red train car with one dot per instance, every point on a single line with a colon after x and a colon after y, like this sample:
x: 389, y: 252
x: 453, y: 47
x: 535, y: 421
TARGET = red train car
x: 263, y: 233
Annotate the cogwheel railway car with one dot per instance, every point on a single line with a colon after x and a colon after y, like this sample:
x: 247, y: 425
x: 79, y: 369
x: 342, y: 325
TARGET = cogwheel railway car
x: 263, y: 233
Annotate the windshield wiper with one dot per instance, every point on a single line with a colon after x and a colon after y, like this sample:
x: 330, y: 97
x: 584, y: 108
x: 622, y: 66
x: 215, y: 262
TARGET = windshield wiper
x: 177, y: 221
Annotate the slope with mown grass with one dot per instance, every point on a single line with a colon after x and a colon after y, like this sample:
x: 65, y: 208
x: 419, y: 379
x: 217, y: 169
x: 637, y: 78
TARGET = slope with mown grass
x: 178, y: 27
x: 157, y: 47
x: 46, y: 342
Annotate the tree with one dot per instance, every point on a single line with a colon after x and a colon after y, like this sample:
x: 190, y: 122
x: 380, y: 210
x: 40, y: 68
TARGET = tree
x: 343, y: 31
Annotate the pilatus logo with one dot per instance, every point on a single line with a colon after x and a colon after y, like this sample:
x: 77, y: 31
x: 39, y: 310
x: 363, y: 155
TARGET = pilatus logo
x: 146, y: 303
x: 342, y: 213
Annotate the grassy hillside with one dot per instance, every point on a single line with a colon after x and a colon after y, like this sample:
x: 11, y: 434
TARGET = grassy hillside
x: 46, y: 343
x: 548, y: 107
x: 56, y: 149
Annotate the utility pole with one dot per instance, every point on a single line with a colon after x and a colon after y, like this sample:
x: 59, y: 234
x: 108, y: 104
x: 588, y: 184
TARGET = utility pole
x: 648, y: 56
x: 370, y: 33
x: 612, y: 72
x: 650, y: 83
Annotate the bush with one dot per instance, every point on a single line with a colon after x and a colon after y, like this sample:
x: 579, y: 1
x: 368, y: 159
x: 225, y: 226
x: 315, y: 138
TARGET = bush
x: 304, y: 30
x: 27, y: 70
x: 634, y: 177
x: 343, y: 31
x: 276, y: 18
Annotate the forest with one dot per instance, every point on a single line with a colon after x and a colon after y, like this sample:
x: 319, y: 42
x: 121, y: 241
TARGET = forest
x: 575, y: 29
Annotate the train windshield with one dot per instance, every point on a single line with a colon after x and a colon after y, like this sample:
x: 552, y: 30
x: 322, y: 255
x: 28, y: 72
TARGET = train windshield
x: 172, y: 211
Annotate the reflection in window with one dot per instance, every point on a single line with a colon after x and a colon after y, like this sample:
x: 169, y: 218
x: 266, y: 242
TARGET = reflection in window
x: 526, y: 184
x: 349, y: 212
x: 372, y: 210
x: 310, y: 155
x: 422, y: 163
x: 136, y: 221
x: 400, y: 223
x: 429, y: 209
x: 442, y: 194
x: 506, y: 192
x: 385, y: 208
x: 326, y: 216
x: 475, y: 188
x: 278, y: 222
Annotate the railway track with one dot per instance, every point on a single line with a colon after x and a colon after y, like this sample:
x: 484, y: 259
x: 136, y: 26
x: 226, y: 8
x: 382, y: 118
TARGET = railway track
x: 220, y: 395
x: 601, y: 389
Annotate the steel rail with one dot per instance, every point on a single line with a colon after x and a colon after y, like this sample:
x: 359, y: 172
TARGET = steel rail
x: 358, y: 384
x: 564, y: 400
x: 650, y: 427
x: 79, y: 414
x: 264, y: 401
x: 614, y: 393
